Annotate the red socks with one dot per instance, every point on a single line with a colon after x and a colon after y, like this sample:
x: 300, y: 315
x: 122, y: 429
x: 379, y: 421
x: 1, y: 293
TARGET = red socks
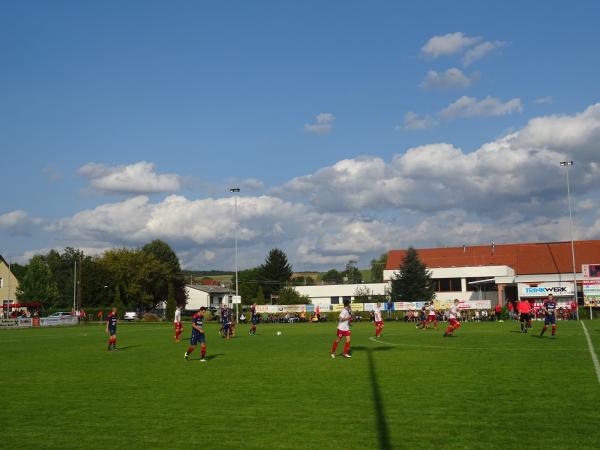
x: 334, y: 347
x: 346, y: 347
x: 203, y: 351
x: 190, y: 350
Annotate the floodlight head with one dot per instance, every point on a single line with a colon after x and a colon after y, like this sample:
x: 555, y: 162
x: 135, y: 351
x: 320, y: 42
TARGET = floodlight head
x: 234, y: 189
x: 566, y: 163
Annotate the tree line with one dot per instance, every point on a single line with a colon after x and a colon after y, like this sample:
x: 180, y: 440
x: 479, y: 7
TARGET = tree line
x: 138, y: 278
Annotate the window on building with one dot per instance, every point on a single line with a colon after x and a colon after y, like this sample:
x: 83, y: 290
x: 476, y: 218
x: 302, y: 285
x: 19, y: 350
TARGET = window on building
x: 448, y: 284
x: 485, y: 287
x: 335, y: 300
x: 347, y: 298
x: 1, y: 282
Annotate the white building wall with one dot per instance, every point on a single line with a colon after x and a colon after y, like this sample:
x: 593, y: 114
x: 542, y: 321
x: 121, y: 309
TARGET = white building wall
x: 196, y: 298
x: 321, y: 294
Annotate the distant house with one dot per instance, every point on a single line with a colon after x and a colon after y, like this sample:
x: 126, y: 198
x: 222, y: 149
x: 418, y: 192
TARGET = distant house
x: 207, y: 296
x: 8, y: 283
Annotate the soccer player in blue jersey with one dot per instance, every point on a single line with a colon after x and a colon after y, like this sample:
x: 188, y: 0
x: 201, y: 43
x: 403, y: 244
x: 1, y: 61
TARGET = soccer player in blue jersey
x: 198, y: 335
x: 253, y: 319
x: 225, y: 322
x: 549, y: 314
x: 111, y: 329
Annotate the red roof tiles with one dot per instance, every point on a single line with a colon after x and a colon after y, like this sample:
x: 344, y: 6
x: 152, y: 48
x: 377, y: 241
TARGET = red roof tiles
x: 525, y: 259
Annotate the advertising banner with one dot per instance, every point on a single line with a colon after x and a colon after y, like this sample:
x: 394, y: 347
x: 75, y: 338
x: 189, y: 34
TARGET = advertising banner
x: 558, y: 289
x: 25, y: 323
x: 57, y: 321
x: 9, y: 323
x: 591, y: 293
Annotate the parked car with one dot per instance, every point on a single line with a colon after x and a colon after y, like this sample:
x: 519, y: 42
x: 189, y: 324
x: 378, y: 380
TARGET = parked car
x: 131, y: 315
x: 60, y: 314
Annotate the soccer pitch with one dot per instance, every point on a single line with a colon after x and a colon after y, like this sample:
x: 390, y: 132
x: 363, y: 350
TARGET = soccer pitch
x: 488, y: 387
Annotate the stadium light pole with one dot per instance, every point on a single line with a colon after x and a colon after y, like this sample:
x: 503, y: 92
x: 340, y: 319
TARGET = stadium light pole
x: 235, y: 191
x: 568, y: 164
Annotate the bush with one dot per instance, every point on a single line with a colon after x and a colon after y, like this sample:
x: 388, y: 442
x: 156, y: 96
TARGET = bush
x: 151, y: 317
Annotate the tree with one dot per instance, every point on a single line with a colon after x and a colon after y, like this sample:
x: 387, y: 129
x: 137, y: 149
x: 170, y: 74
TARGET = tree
x: 38, y: 283
x: 248, y: 285
x: 352, y: 274
x: 171, y: 305
x: 413, y: 281
x: 333, y: 277
x: 362, y: 294
x: 290, y: 296
x: 377, y: 266
x: 260, y: 296
x: 275, y: 273
x: 304, y: 281
x: 165, y: 254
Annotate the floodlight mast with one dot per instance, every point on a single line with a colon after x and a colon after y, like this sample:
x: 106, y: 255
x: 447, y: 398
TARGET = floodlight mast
x: 235, y: 191
x: 568, y: 164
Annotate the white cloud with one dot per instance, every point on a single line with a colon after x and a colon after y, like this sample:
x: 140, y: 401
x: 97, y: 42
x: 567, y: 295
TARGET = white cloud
x: 511, y: 189
x: 323, y: 125
x: 138, y: 178
x: 489, y: 106
x: 547, y: 100
x: 448, y: 44
x: 412, y: 121
x: 18, y: 223
x: 52, y: 173
x: 252, y: 184
x: 480, y: 50
x: 450, y: 79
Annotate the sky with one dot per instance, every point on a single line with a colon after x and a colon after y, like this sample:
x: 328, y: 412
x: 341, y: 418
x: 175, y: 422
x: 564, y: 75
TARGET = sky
x: 351, y: 128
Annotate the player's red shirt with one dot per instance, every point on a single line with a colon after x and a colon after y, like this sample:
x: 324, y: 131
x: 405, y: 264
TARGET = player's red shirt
x: 524, y: 307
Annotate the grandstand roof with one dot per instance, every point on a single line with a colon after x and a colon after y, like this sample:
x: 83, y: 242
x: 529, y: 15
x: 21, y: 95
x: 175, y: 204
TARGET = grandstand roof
x: 525, y: 259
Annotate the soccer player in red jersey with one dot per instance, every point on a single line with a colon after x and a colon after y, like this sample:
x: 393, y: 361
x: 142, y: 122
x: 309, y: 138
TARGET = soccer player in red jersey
x: 343, y: 330
x: 178, y: 324
x: 198, y: 335
x: 111, y: 329
x: 453, y: 324
x: 524, y: 308
x: 378, y: 320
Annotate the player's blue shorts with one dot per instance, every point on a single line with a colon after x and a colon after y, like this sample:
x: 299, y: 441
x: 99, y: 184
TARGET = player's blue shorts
x: 112, y: 331
x: 550, y: 320
x: 254, y: 320
x: 197, y: 338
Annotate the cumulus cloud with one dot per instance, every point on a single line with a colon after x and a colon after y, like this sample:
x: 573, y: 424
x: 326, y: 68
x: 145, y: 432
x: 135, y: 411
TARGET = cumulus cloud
x: 18, y: 223
x: 518, y: 172
x: 450, y: 79
x: 252, y: 184
x: 511, y: 189
x: 138, y: 178
x: 448, y: 44
x: 481, y: 50
x: 323, y: 124
x: 412, y: 121
x: 547, y: 100
x: 489, y: 106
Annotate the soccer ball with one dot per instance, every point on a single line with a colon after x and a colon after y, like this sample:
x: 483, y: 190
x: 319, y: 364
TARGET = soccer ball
x: 279, y: 333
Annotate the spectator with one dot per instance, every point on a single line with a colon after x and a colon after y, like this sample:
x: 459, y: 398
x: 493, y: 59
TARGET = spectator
x: 511, y: 309
x: 573, y: 310
x: 498, y: 310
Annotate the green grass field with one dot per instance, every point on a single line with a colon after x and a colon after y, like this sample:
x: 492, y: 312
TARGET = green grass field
x: 489, y: 387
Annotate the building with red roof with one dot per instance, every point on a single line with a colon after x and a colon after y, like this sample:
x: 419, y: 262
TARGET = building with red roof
x: 502, y: 272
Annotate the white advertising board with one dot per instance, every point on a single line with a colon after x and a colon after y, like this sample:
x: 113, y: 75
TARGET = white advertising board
x: 558, y: 289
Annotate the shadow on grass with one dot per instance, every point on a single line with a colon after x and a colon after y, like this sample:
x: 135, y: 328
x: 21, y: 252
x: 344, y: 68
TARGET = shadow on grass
x: 128, y: 347
x: 383, y: 433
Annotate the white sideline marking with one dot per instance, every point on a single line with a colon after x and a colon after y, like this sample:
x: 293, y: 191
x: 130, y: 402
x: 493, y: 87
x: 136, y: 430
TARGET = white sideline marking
x: 592, y: 351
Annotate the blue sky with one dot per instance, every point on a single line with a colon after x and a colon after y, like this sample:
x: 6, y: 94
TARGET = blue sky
x: 351, y: 127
